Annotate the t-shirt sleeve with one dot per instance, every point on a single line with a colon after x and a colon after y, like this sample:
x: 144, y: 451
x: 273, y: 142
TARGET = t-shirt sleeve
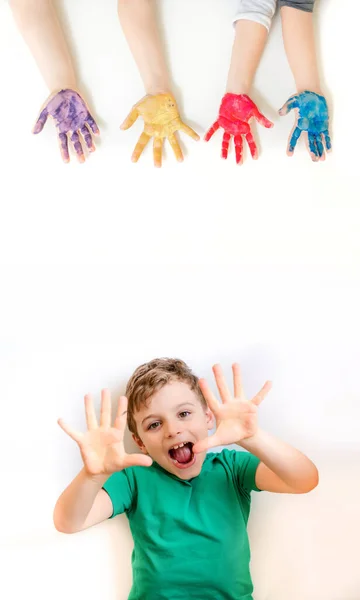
x: 245, y: 466
x: 120, y: 488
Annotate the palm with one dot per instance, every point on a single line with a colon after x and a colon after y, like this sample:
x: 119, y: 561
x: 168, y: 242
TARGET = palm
x: 102, y: 446
x: 103, y: 451
x: 235, y: 420
x: 236, y: 417
x: 161, y: 120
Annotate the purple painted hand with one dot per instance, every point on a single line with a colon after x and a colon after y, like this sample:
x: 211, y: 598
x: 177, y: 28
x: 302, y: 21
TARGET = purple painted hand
x: 72, y: 117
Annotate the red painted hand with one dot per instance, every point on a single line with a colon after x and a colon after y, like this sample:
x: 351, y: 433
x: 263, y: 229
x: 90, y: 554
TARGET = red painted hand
x: 236, y: 110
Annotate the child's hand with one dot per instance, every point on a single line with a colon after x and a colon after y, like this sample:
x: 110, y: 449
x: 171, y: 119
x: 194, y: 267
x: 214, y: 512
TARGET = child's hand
x: 236, y: 110
x: 161, y: 120
x: 313, y: 118
x: 102, y: 447
x: 236, y: 418
x: 71, y: 117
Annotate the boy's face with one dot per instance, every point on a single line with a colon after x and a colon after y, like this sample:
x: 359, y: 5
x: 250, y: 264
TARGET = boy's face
x: 174, y: 416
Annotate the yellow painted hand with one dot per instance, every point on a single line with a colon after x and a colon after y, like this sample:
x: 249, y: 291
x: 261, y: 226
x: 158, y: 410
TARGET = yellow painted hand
x: 161, y: 120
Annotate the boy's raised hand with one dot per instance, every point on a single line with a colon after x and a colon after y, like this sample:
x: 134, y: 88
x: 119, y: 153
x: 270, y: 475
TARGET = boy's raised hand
x: 312, y: 118
x: 161, y: 120
x: 236, y: 110
x: 72, y: 120
x: 102, y: 446
x: 236, y: 417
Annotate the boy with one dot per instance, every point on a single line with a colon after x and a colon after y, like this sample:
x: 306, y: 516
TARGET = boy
x: 187, y: 510
x: 252, y: 24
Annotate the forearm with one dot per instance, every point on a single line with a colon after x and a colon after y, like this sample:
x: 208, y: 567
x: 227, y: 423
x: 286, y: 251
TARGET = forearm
x: 139, y: 24
x: 299, y: 42
x: 75, y: 503
x: 40, y: 28
x: 288, y: 463
x: 249, y: 43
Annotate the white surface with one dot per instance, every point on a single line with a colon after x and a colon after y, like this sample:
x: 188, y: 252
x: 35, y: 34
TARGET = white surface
x: 109, y: 264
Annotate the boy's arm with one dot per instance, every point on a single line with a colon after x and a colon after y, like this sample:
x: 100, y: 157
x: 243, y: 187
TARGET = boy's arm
x: 312, y: 115
x: 158, y: 108
x: 236, y: 108
x: 299, y: 42
x: 283, y: 468
x: 82, y: 504
x: 139, y: 24
x: 39, y: 26
x: 249, y: 43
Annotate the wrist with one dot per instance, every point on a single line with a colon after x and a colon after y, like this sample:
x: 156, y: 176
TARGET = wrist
x: 252, y: 442
x: 238, y: 88
x: 309, y: 87
x: 98, y: 479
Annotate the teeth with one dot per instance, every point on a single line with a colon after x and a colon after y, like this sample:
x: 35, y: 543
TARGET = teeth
x: 179, y: 446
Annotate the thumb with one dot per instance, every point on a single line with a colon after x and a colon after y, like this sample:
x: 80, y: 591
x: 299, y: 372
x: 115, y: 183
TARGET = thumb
x: 206, y: 444
x: 263, y: 120
x: 39, y: 125
x: 130, y: 119
x: 138, y: 460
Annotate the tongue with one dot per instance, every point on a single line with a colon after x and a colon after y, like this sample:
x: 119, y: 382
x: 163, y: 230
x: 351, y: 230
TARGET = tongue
x: 182, y: 455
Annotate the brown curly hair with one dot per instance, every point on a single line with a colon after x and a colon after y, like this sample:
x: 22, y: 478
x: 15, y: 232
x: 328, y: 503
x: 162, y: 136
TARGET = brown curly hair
x: 151, y: 377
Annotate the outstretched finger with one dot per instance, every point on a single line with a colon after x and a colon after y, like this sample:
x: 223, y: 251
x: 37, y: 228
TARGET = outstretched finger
x: 211, y: 401
x: 176, y: 147
x: 41, y: 121
x: 157, y: 151
x: 64, y: 147
x: 130, y: 119
x: 327, y: 140
x: 238, y: 148
x: 263, y: 392
x: 77, y: 146
x: 91, y: 122
x: 262, y: 119
x: 140, y: 146
x: 214, y: 127
x: 224, y: 391
x: 225, y: 144
x: 252, y: 145
x: 312, y: 147
x: 238, y: 387
x: 292, y: 102
x: 294, y: 136
x: 186, y: 129
x: 91, y: 420
x: 105, y: 410
x: 75, y: 435
x: 88, y: 138
x: 121, y: 414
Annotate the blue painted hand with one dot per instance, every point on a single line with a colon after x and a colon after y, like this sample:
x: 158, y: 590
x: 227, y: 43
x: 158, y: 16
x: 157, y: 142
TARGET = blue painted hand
x: 312, y: 118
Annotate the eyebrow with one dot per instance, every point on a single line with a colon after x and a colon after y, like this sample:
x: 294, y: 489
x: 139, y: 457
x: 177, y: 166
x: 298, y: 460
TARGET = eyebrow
x: 177, y: 407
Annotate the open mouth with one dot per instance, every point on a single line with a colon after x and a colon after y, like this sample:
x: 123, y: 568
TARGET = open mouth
x: 182, y: 455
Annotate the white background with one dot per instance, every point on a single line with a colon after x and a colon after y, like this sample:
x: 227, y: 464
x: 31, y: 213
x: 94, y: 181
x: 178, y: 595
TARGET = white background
x: 108, y: 264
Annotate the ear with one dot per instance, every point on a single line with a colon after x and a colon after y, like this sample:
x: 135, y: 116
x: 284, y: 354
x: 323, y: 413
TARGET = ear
x: 139, y: 443
x: 210, y: 419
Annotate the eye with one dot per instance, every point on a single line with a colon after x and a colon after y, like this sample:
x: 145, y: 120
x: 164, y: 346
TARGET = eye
x: 185, y: 413
x: 154, y: 425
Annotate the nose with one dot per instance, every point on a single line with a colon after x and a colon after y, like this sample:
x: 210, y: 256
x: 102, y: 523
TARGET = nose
x: 172, y: 429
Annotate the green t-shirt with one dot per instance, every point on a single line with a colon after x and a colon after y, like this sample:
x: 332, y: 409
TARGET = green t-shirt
x: 190, y: 538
